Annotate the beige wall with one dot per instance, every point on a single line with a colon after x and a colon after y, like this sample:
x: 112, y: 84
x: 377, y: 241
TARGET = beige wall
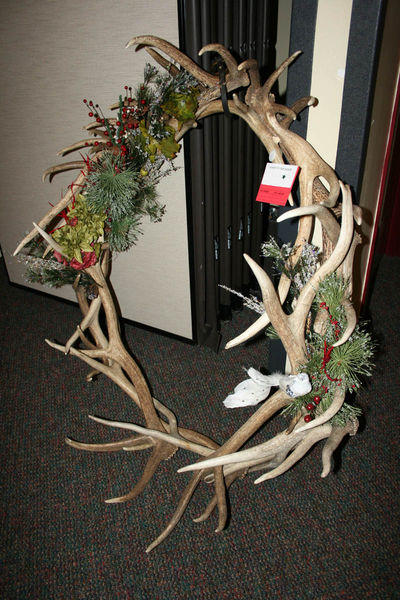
x: 55, y: 53
x: 327, y: 81
x: 331, y: 32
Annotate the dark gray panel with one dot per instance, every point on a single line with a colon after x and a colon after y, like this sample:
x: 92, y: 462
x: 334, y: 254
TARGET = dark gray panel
x: 362, y: 57
x: 302, y: 33
x: 224, y: 161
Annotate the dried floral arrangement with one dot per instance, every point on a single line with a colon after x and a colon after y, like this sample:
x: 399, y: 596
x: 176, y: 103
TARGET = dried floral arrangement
x: 126, y: 158
x: 310, y: 310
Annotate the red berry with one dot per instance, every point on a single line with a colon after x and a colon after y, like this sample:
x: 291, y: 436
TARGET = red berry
x: 143, y: 102
x: 90, y: 114
x: 307, y: 418
x: 317, y: 399
x: 118, y: 123
x: 310, y: 406
x: 98, y: 120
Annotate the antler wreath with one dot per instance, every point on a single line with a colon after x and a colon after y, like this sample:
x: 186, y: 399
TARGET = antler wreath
x: 105, y: 353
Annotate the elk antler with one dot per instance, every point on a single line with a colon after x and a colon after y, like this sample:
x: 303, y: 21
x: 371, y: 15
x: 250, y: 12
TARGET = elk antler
x: 290, y: 328
x: 105, y: 352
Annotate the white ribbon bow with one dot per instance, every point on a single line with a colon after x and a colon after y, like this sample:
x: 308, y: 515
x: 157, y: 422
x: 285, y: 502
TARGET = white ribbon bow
x: 257, y: 388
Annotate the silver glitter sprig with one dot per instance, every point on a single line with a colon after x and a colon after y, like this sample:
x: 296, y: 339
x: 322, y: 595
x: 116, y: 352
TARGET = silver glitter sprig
x: 251, y: 302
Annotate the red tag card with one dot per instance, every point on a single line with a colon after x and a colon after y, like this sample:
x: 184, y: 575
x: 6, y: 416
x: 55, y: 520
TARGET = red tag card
x: 277, y: 183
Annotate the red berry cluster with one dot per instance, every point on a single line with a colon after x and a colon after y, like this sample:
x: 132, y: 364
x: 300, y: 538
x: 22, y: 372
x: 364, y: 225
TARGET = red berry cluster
x: 327, y: 357
x: 332, y: 320
x: 311, y: 406
x: 95, y: 111
x: 130, y: 115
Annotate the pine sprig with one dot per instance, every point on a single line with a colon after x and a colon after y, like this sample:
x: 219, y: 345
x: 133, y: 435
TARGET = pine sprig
x: 327, y: 365
x: 345, y: 414
x: 124, y: 233
x: 352, y: 360
x: 138, y: 148
x: 50, y: 272
x: 333, y: 290
x: 110, y: 189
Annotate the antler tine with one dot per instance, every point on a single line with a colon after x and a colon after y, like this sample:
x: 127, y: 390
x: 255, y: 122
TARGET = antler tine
x: 229, y: 60
x: 257, y: 455
x: 333, y: 441
x: 328, y: 221
x: 54, y: 211
x: 201, y: 75
x: 279, y: 319
x: 330, y: 412
x: 251, y: 66
x: 163, y: 62
x: 351, y: 318
x: 184, y: 501
x: 243, y: 456
x: 154, y: 433
x: 297, y: 107
x: 82, y: 144
x: 52, y: 171
x: 48, y: 239
x: 301, y: 450
x: 307, y: 294
x: 264, y: 320
x: 236, y: 77
x: 250, y: 332
x: 272, y: 78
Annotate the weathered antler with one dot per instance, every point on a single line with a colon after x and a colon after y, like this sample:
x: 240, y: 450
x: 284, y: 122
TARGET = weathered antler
x: 106, y: 354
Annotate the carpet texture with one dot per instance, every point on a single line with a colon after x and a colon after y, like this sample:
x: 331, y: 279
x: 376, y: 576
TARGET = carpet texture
x: 295, y: 537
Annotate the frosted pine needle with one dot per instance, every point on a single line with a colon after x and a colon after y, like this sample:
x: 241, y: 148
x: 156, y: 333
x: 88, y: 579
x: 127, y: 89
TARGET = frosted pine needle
x: 251, y: 302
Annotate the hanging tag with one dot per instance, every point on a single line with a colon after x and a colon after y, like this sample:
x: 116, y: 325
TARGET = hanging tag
x: 277, y: 183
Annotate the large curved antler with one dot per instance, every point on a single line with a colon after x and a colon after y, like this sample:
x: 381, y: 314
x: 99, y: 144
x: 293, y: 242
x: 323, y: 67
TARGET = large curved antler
x: 151, y: 41
x: 105, y: 353
x: 291, y: 328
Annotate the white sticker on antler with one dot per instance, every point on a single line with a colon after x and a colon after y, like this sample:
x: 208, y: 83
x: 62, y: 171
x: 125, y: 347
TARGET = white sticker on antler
x: 257, y: 388
x: 277, y: 183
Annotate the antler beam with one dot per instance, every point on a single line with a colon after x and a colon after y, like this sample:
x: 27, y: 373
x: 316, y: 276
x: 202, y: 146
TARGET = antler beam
x: 104, y: 351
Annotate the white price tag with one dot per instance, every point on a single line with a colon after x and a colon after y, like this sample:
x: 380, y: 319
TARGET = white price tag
x: 277, y: 183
